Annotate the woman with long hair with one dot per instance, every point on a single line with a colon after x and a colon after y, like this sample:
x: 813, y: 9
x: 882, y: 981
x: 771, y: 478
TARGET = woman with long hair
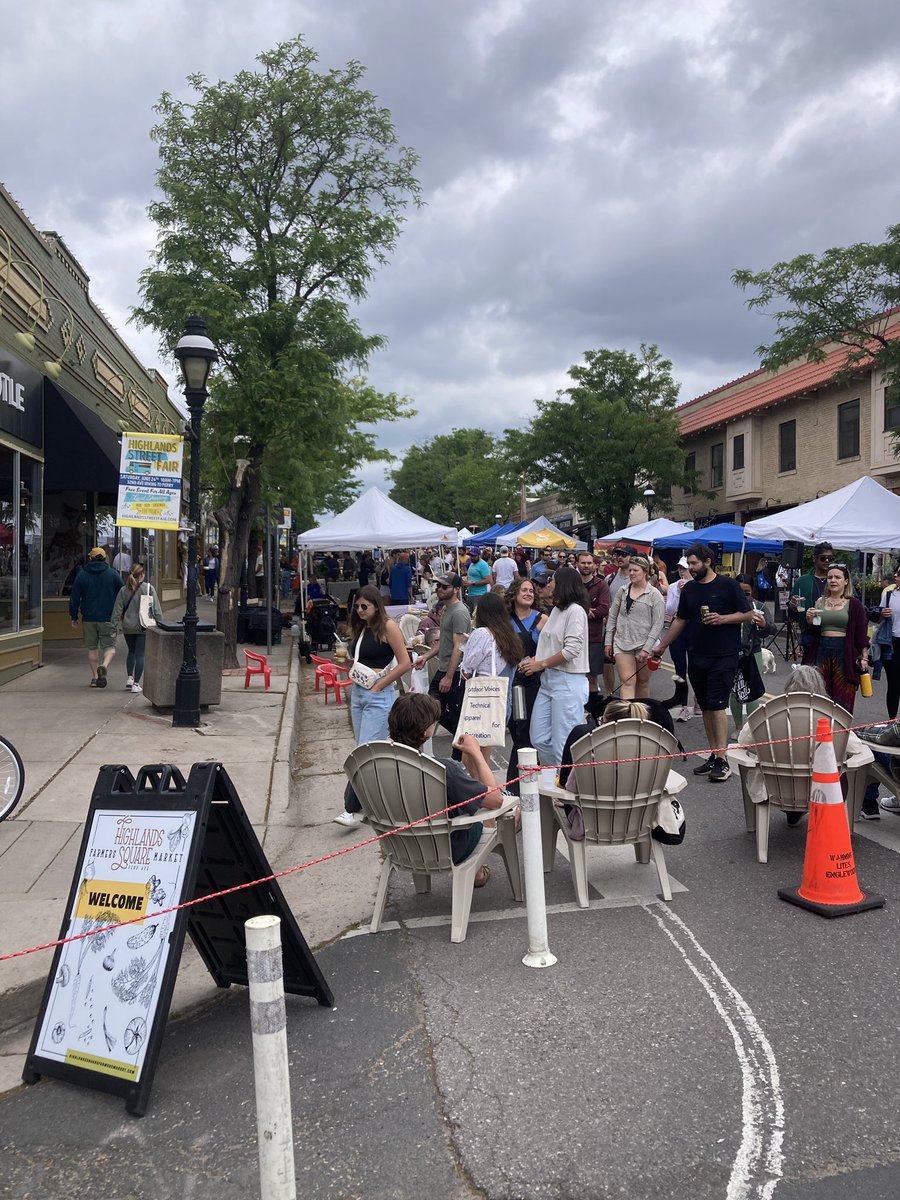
x: 561, y: 660
x: 840, y: 639
x: 126, y: 615
x: 377, y: 643
x: 527, y: 621
x: 634, y: 627
x: 492, y: 648
x: 752, y: 634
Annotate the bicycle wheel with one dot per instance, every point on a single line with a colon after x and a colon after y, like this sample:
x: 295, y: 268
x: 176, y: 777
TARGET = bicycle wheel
x: 12, y: 778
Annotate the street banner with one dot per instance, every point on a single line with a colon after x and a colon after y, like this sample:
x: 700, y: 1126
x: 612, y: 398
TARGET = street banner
x: 150, y: 481
x: 150, y: 844
x: 285, y: 518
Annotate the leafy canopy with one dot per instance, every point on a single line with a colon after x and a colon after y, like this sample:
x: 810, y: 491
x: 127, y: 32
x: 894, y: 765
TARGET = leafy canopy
x: 282, y: 191
x: 608, y: 436
x: 463, y: 476
x: 841, y: 296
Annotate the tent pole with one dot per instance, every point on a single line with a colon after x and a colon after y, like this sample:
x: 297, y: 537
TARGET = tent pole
x: 743, y: 551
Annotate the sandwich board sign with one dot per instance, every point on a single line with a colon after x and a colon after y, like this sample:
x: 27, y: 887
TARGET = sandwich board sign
x: 149, y: 845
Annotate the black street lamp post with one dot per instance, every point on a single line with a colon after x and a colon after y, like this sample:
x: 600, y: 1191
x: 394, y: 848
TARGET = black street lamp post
x: 649, y: 497
x: 196, y: 355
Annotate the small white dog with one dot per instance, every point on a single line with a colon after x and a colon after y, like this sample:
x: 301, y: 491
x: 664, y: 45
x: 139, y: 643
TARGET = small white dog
x: 768, y: 662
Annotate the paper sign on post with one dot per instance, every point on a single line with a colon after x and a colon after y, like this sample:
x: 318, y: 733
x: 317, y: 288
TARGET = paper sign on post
x: 150, y: 480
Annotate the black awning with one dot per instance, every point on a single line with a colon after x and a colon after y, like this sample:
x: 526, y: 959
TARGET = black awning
x: 81, y: 452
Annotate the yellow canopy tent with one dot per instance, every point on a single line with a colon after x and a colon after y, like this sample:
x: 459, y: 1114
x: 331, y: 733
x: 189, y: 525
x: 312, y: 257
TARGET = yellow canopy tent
x: 547, y: 539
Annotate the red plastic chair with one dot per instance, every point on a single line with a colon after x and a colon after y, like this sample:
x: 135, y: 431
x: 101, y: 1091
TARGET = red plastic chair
x: 328, y: 672
x: 261, y: 667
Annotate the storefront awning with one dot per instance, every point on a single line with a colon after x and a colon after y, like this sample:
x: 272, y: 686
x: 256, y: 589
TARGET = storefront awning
x: 81, y: 452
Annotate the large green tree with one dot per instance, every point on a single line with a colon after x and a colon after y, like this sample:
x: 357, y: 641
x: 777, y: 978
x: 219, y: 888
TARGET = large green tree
x: 841, y: 297
x: 281, y: 192
x: 608, y: 436
x: 463, y: 476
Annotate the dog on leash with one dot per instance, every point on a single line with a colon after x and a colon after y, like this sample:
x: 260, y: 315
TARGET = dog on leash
x: 768, y: 659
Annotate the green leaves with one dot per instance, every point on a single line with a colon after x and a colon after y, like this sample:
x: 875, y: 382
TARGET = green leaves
x: 609, y: 435
x: 464, y: 476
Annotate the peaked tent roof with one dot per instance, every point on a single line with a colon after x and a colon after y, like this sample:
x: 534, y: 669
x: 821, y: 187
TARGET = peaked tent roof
x: 376, y: 520
x: 536, y: 526
x: 861, y: 516
x: 490, y: 536
x: 486, y: 534
x: 647, y: 531
x: 730, y: 537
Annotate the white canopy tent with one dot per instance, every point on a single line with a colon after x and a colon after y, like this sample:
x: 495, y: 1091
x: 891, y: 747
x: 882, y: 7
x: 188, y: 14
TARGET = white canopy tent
x: 647, y: 531
x: 464, y: 533
x: 861, y: 516
x: 376, y: 520
x: 538, y: 525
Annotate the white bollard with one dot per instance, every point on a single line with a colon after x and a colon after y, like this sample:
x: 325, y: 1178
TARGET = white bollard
x: 268, y: 1020
x: 532, y: 851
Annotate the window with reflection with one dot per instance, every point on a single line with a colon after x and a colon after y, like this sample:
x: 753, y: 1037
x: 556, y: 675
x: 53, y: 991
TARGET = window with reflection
x: 30, y: 542
x: 7, y: 540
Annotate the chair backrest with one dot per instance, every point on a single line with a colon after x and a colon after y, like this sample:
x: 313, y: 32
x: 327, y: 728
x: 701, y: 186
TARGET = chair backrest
x: 409, y: 626
x: 257, y: 658
x: 396, y: 785
x: 785, y: 730
x: 618, y: 794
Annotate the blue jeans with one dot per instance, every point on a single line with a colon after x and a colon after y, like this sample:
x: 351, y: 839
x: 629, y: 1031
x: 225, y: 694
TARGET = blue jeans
x: 369, y: 713
x: 559, y: 707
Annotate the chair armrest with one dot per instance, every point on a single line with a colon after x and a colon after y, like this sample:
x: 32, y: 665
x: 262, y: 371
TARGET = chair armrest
x: 675, y: 783
x: 741, y: 756
x: 861, y: 758
x: 506, y: 809
x: 555, y: 793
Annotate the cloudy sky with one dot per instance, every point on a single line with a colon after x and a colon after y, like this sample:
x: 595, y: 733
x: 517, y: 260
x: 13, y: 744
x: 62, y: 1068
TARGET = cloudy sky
x: 593, y: 171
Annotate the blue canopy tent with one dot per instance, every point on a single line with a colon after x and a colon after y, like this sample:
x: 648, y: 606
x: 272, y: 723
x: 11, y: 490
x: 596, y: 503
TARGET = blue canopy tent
x: 487, y: 537
x: 730, y: 537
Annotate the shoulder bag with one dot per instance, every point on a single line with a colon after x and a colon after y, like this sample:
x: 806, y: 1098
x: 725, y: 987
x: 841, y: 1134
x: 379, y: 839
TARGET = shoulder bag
x: 483, y: 710
x: 669, y: 824
x: 145, y: 613
x: 363, y: 676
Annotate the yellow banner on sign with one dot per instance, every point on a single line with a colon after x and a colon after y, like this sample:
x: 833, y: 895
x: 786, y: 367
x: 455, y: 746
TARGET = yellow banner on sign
x: 126, y: 900
x: 106, y: 1066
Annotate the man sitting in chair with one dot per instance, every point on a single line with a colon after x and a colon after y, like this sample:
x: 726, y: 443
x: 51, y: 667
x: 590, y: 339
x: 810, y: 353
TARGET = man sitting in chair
x: 412, y: 720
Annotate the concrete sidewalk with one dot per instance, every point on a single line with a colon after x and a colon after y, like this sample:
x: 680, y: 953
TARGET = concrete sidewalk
x: 65, y: 731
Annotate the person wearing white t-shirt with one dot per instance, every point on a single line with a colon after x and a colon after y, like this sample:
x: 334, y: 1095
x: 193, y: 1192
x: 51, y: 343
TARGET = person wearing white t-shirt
x: 505, y: 569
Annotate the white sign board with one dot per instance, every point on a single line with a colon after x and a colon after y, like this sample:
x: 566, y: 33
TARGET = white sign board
x: 106, y: 987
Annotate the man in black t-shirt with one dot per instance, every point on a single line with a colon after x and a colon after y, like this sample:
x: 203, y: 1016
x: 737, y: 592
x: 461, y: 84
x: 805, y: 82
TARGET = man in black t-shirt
x: 715, y: 608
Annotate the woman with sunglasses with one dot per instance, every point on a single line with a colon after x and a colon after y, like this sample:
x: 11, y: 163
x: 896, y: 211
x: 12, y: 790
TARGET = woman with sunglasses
x: 527, y: 622
x: 377, y: 643
x: 838, y: 626
x: 562, y: 663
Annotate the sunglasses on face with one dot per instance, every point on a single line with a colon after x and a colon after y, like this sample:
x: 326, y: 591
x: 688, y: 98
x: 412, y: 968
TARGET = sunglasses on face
x: 363, y: 607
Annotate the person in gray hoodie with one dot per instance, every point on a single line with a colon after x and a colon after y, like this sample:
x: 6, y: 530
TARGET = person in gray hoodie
x: 94, y: 592
x: 127, y: 617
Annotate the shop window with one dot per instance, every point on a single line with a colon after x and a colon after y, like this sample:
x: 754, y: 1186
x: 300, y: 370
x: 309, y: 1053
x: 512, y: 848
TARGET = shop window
x: 737, y: 452
x: 892, y: 407
x: 67, y: 540
x: 716, y: 465
x: 30, y: 542
x: 690, y: 468
x: 8, y: 526
x: 787, y: 446
x: 848, y: 429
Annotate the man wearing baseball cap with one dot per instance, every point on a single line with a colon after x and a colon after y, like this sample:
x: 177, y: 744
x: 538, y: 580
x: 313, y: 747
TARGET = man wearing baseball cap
x: 447, y: 686
x: 94, y: 592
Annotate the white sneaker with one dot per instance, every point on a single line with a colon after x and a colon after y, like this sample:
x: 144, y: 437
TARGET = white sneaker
x: 136, y: 688
x: 697, y: 710
x: 686, y: 713
x: 129, y: 683
x: 349, y: 820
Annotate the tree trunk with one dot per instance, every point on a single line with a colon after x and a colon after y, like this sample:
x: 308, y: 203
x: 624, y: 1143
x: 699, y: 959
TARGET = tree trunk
x: 233, y: 520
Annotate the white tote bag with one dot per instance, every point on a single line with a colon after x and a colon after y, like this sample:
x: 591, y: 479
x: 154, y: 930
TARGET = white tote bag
x: 145, y: 612
x: 483, y: 711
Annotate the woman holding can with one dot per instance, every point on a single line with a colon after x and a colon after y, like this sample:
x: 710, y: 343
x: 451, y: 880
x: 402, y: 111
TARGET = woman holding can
x: 839, y: 639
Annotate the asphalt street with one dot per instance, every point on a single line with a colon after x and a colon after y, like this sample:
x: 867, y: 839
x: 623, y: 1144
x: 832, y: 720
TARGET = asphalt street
x: 723, y: 1045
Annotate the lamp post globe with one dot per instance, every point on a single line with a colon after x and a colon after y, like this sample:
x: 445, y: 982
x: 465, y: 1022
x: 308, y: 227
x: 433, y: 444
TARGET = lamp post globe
x: 196, y: 355
x: 649, y: 497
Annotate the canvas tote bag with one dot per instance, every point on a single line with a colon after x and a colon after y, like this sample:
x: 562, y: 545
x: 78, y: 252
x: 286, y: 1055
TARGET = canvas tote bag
x: 483, y: 711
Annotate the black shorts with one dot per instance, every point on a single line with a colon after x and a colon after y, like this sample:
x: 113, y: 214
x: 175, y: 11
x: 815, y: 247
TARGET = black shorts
x: 596, y: 658
x: 712, y: 680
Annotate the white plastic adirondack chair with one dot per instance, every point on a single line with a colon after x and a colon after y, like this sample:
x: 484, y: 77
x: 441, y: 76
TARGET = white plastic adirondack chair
x: 396, y: 785
x: 785, y: 728
x: 618, y: 800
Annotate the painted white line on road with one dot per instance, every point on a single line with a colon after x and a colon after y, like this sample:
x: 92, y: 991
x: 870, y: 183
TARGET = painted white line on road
x: 759, y: 1161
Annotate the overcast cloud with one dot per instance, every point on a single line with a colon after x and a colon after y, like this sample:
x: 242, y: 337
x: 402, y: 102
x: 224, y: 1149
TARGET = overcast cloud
x: 593, y: 171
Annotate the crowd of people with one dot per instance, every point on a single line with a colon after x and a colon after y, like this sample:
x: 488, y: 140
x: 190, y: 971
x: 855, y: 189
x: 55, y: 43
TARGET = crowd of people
x: 571, y: 632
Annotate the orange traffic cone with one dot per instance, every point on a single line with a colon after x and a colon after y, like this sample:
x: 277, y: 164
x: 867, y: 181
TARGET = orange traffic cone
x: 829, y: 885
